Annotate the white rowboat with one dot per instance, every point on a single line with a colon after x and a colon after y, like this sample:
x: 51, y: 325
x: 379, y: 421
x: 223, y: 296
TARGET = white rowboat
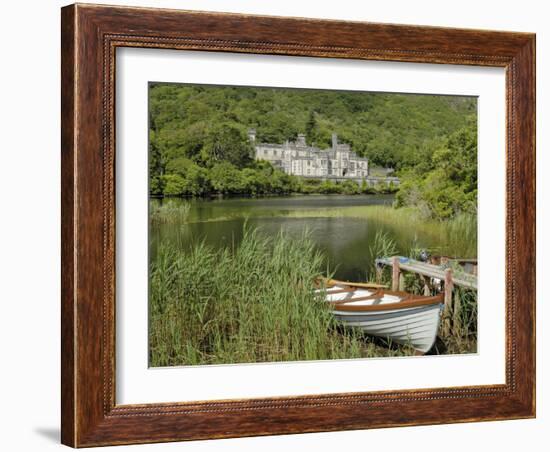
x: 396, y: 316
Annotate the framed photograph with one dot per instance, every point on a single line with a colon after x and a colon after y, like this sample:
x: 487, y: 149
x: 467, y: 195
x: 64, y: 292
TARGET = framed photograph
x: 281, y: 225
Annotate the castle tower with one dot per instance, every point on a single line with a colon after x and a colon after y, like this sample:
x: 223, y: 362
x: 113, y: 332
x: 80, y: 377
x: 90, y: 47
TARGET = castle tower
x: 334, y: 141
x: 252, y: 135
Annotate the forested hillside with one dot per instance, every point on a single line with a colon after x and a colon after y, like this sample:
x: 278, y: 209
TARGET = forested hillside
x: 199, y: 144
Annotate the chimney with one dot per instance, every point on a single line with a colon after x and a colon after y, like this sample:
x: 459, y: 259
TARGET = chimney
x: 334, y: 140
x: 301, y: 140
x: 252, y: 135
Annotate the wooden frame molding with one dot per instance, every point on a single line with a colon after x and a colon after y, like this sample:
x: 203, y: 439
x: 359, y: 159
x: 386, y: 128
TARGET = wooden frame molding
x: 90, y: 36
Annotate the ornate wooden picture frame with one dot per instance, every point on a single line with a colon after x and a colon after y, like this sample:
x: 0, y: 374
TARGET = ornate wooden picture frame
x: 90, y: 37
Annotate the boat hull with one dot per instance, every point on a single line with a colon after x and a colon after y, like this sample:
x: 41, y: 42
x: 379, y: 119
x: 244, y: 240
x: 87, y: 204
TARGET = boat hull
x: 416, y: 326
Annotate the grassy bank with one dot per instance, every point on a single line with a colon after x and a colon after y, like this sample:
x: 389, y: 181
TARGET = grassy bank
x: 249, y: 304
x: 169, y: 212
x: 253, y: 303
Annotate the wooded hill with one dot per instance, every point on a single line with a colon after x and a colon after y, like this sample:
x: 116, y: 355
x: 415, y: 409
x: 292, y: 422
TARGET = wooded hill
x: 389, y: 129
x: 200, y: 130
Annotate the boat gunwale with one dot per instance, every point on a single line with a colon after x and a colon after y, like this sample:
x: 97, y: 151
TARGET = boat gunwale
x: 412, y: 301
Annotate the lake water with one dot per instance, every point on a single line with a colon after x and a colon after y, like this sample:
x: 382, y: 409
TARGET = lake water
x: 345, y: 241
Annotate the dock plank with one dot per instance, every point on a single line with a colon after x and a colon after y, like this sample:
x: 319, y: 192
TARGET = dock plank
x: 432, y: 271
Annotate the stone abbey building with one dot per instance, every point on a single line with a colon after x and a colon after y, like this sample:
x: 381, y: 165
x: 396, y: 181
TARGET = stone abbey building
x: 299, y: 159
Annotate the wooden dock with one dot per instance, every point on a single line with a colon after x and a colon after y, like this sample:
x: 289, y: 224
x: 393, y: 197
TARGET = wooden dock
x: 429, y: 272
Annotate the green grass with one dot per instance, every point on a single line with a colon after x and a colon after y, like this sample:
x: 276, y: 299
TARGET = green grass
x: 249, y: 304
x: 463, y: 337
x: 253, y: 303
x: 168, y: 212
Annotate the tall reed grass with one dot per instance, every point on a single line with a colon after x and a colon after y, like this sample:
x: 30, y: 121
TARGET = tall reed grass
x: 457, y: 236
x: 252, y: 303
x: 461, y: 235
x: 168, y: 212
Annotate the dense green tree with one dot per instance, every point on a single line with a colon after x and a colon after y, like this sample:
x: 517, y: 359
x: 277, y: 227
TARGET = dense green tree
x: 179, y: 166
x: 184, y: 177
x: 226, y: 178
x: 197, y: 181
x: 227, y: 142
x: 174, y: 185
x: 310, y: 128
x: 447, y: 185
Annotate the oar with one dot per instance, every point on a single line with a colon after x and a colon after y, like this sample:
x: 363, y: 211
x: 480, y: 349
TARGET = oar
x: 334, y: 282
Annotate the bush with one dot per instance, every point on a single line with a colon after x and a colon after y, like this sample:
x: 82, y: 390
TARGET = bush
x: 174, y: 185
x: 349, y: 187
x: 448, y: 185
x: 226, y: 178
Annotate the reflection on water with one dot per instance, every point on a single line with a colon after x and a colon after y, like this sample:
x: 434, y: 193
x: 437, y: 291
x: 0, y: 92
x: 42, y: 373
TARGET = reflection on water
x: 345, y: 241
